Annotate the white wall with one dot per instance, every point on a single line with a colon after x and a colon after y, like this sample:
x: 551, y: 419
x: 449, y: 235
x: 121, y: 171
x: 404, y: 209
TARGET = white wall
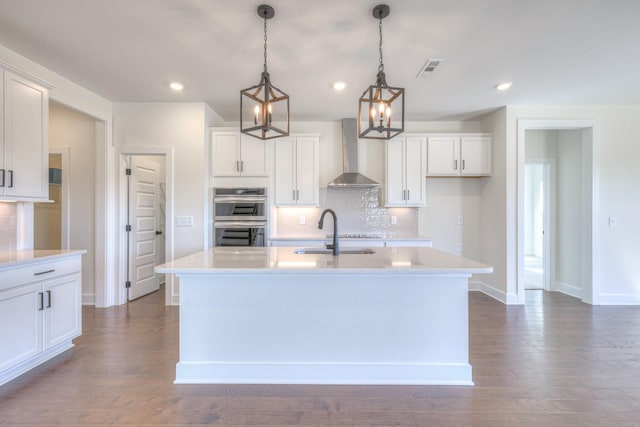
x: 68, y: 128
x: 496, y: 218
x: 182, y: 127
x: 616, y: 195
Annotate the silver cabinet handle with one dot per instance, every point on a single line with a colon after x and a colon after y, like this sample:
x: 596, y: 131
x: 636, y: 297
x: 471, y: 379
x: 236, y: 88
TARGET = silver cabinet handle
x: 297, y: 194
x: 455, y: 164
x: 10, y: 179
x: 463, y: 164
x: 294, y: 194
x: 48, y: 299
x: 237, y: 165
x: 43, y: 272
x: 241, y: 165
x: 41, y: 295
x: 408, y: 194
x: 2, y: 176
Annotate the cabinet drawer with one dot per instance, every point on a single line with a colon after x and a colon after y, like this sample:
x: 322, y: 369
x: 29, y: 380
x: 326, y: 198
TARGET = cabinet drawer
x: 39, y: 270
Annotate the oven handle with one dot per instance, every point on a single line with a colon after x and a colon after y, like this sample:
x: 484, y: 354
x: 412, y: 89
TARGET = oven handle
x: 240, y: 199
x: 240, y: 224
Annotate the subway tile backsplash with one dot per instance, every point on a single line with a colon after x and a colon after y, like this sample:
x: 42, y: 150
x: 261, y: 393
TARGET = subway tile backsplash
x: 8, y: 226
x: 358, y: 212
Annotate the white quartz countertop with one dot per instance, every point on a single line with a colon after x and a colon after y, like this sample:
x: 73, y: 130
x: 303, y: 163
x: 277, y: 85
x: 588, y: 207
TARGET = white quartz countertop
x: 284, y: 260
x: 14, y: 258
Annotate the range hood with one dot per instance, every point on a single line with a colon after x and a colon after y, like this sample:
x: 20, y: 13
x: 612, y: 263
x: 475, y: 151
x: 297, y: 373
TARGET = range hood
x: 350, y: 176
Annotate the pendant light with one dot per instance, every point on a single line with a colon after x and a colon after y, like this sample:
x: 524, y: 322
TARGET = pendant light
x: 381, y: 109
x: 264, y: 109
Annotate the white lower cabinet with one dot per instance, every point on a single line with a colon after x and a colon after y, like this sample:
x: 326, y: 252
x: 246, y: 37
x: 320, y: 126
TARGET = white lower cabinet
x: 40, y: 313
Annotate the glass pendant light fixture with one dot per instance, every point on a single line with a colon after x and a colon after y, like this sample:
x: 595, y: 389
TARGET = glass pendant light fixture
x: 381, y: 109
x: 264, y: 109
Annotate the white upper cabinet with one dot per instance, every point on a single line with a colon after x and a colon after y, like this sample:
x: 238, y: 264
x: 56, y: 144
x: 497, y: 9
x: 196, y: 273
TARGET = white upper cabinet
x: 405, y: 171
x: 296, y: 175
x: 236, y: 154
x: 459, y: 155
x: 24, y: 136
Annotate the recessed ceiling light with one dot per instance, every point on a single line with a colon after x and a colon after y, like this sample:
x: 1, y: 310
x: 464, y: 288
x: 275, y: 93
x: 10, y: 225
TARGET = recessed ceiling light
x: 339, y: 85
x: 176, y: 86
x: 504, y: 86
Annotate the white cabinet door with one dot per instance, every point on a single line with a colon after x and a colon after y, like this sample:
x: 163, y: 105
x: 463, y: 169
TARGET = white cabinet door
x: 253, y: 156
x: 443, y: 156
x: 225, y: 153
x: 2, y: 172
x: 236, y: 154
x: 20, y: 324
x: 307, y: 174
x: 296, y: 175
x: 62, y: 309
x: 405, y: 177
x: 475, y: 153
x: 395, y: 179
x: 285, y: 171
x: 415, y: 179
x: 26, y: 157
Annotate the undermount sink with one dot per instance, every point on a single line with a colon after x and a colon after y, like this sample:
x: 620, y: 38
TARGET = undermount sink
x: 345, y: 251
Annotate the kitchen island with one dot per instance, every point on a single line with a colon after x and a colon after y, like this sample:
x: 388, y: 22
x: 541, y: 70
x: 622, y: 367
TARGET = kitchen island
x: 271, y: 315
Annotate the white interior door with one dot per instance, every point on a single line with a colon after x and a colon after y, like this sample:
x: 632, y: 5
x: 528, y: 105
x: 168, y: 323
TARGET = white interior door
x: 143, y: 219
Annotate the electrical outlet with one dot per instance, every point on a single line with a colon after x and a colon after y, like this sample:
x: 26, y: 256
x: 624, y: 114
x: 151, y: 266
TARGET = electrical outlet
x: 613, y: 222
x: 303, y: 220
x: 394, y: 220
x: 460, y: 220
x: 184, y: 221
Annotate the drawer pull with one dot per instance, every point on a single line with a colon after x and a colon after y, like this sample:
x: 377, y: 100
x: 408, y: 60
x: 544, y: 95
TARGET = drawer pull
x: 43, y: 272
x: 41, y: 301
x: 48, y: 299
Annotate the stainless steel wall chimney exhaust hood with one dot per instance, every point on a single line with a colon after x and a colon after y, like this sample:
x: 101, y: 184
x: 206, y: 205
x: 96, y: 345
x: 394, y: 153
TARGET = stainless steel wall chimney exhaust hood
x: 350, y: 177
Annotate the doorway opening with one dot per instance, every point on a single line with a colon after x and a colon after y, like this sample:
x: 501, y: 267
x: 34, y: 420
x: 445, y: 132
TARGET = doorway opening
x: 51, y: 220
x: 557, y: 214
x: 537, y: 224
x: 146, y: 223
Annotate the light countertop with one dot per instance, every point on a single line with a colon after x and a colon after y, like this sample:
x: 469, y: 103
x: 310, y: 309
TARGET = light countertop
x: 15, y: 258
x: 281, y: 260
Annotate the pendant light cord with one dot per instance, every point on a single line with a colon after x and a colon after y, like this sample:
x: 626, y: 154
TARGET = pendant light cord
x: 381, y: 66
x: 265, y: 43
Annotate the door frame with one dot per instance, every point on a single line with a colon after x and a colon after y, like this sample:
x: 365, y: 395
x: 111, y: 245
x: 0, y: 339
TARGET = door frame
x: 548, y: 220
x: 121, y: 235
x: 590, y: 193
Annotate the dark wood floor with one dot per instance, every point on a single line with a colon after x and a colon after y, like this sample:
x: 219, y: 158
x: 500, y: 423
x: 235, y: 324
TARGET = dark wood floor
x: 554, y: 362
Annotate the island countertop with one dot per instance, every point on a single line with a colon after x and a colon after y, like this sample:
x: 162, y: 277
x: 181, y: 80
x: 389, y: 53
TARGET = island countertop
x: 10, y: 259
x: 281, y: 260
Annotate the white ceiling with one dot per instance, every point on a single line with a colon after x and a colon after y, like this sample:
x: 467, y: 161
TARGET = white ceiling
x: 557, y: 52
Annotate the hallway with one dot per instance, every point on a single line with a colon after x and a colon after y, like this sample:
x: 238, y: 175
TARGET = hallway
x: 553, y: 362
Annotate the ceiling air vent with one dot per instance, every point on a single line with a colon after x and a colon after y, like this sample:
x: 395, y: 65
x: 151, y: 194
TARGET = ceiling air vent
x: 429, y: 68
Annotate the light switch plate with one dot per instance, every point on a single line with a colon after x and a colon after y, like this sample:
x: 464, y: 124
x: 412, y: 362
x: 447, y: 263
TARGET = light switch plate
x: 184, y: 221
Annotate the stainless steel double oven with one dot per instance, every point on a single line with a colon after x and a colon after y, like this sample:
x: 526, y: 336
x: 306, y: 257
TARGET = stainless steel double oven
x: 240, y: 216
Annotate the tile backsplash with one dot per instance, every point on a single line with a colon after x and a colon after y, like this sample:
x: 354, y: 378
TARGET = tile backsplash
x: 358, y: 211
x: 8, y: 226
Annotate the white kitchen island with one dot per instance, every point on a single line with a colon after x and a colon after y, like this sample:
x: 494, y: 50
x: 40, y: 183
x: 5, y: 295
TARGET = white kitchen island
x: 269, y: 315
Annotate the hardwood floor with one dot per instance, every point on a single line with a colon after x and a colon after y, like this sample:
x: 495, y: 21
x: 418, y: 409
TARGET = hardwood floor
x: 554, y: 362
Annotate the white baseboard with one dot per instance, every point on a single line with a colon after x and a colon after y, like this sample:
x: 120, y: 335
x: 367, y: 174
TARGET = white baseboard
x: 508, y: 299
x: 88, y: 299
x: 567, y: 289
x: 618, y: 299
x: 324, y: 373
